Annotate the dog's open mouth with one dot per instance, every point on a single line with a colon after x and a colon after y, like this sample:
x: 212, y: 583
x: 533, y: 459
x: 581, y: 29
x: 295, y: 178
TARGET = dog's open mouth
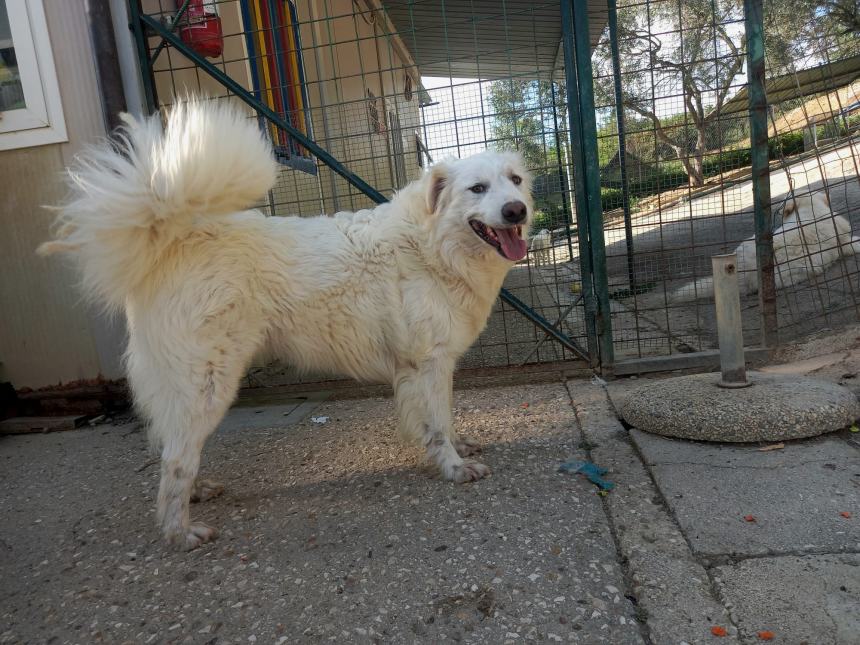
x: 508, y: 242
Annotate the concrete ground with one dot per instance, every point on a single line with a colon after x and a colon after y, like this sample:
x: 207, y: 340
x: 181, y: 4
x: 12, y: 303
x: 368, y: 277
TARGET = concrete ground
x: 332, y: 530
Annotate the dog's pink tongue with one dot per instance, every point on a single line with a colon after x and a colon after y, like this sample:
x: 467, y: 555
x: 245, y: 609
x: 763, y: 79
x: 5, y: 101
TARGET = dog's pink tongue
x: 513, y: 246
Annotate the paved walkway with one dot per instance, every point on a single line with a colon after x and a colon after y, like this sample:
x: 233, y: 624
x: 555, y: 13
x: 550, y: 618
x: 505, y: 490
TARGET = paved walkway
x: 335, y: 531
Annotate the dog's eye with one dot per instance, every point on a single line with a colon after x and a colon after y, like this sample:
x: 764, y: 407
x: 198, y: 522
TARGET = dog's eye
x: 516, y: 179
x: 478, y: 189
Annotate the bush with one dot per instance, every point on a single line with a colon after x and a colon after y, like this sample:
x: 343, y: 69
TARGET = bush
x: 788, y: 143
x: 670, y: 174
x: 610, y: 198
x: 727, y: 160
x: 543, y: 220
x: 664, y: 176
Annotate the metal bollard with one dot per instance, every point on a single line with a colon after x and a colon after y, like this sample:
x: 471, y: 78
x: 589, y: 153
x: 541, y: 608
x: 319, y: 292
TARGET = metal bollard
x: 729, y: 329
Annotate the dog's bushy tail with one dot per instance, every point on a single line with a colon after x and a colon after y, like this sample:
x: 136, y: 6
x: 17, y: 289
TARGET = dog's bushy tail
x: 698, y: 289
x: 141, y: 192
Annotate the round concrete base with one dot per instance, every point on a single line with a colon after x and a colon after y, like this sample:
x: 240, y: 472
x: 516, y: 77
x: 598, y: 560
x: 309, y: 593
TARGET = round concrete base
x: 774, y: 408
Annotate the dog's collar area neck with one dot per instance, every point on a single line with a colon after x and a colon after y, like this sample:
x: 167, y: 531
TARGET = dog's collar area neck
x: 508, y: 242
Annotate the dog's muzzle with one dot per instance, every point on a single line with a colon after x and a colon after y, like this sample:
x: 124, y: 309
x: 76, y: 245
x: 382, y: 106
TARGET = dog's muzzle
x: 507, y: 241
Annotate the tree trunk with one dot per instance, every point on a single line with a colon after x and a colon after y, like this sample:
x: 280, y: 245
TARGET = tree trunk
x: 696, y: 171
x: 696, y: 162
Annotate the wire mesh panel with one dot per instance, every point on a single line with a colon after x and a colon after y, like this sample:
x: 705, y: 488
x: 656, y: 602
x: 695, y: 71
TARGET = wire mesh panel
x: 814, y: 130
x: 675, y: 184
x: 389, y: 88
x: 679, y: 190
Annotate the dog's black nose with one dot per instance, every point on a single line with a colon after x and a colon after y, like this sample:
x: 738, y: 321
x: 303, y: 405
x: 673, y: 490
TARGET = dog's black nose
x: 514, y: 212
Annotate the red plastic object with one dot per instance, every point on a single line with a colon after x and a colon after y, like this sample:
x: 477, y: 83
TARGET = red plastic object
x: 201, y: 30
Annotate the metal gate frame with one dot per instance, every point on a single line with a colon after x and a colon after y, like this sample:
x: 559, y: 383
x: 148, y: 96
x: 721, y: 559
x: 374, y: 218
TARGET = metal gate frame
x: 143, y: 26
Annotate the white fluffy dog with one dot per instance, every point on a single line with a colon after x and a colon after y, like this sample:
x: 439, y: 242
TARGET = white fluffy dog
x: 810, y: 239
x: 395, y: 294
x: 541, y: 243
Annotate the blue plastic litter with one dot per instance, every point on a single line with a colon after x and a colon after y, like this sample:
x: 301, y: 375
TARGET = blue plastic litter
x: 593, y: 472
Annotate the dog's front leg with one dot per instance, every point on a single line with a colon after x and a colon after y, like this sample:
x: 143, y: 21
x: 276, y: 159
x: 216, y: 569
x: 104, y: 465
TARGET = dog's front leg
x: 423, y: 395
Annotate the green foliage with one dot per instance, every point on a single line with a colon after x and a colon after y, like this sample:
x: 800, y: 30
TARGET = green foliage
x: 610, y: 198
x: 786, y: 144
x: 547, y: 220
x: 680, y: 62
x: 523, y: 118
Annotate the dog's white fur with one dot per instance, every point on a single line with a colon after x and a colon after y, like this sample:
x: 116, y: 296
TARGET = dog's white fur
x: 810, y: 239
x: 541, y: 242
x: 395, y: 294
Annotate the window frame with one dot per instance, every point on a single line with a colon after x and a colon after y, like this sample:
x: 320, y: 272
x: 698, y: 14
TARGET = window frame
x: 41, y: 121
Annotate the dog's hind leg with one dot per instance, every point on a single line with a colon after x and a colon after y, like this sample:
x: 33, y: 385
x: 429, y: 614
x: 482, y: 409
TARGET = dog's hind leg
x: 185, y: 392
x: 423, y: 396
x: 180, y: 461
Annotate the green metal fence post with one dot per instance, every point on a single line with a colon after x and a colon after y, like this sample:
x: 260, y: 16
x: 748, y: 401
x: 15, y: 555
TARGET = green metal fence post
x: 140, y: 40
x: 589, y: 214
x: 174, y: 23
x: 754, y: 26
x: 581, y: 205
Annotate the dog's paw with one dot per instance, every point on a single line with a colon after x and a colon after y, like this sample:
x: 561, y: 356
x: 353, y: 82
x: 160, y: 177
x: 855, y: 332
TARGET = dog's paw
x: 195, y: 535
x: 466, y: 447
x: 469, y: 471
x: 205, y: 489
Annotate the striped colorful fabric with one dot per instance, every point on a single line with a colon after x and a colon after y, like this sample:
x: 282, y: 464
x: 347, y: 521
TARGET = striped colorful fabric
x: 277, y: 73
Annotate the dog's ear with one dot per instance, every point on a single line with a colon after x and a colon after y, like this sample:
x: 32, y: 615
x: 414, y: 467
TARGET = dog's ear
x: 790, y: 207
x: 437, y: 179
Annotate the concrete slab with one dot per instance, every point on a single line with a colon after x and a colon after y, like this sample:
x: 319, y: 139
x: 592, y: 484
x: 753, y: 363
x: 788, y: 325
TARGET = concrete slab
x: 808, y: 600
x: 795, y: 494
x: 672, y: 589
x: 259, y: 415
x: 329, y: 532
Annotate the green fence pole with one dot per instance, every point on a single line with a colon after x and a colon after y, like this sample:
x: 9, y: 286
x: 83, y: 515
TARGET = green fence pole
x: 580, y: 89
x: 754, y: 26
x: 140, y: 40
x: 573, y: 107
x: 174, y: 23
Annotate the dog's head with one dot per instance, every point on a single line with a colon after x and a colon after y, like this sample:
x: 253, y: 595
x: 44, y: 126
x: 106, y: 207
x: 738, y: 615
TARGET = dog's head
x: 483, y: 203
x: 807, y: 208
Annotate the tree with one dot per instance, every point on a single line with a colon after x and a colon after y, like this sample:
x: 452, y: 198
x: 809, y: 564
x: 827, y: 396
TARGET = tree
x: 682, y: 60
x: 690, y: 50
x: 524, y: 115
x: 810, y: 30
x: 522, y: 118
